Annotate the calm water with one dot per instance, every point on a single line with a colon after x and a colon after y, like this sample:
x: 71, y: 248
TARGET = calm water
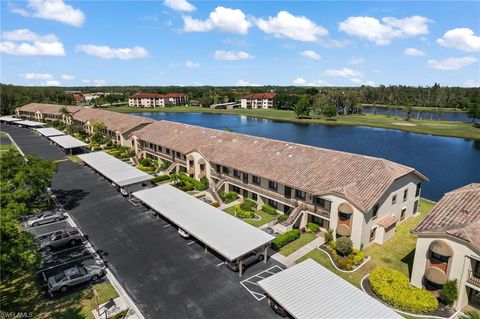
x: 448, y: 162
x: 445, y: 116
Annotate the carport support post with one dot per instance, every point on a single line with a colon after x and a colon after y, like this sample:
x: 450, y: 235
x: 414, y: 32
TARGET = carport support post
x: 206, y: 249
x: 265, y: 254
x: 240, y: 268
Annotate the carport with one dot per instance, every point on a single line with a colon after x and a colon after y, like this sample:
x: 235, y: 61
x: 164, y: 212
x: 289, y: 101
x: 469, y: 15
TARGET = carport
x: 217, y: 230
x: 116, y: 171
x: 309, y: 290
x: 68, y: 142
x: 9, y: 119
x: 49, y: 131
x: 30, y: 124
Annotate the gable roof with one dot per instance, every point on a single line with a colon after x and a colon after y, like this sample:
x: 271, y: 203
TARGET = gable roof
x: 48, y: 108
x: 361, y: 179
x: 113, y: 121
x: 259, y: 96
x: 456, y: 214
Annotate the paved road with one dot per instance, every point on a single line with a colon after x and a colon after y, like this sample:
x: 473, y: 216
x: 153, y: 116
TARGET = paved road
x: 166, y: 275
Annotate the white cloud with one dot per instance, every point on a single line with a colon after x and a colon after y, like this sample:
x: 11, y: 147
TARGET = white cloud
x: 192, y: 65
x: 85, y: 81
x: 310, y: 54
x: 222, y: 19
x: 99, y: 82
x: 37, y: 76
x: 51, y: 83
x: 67, y: 77
x: 55, y: 10
x: 356, y: 61
x: 356, y: 80
x: 461, y: 39
x: 27, y: 35
x: 452, y: 63
x: 343, y: 72
x: 246, y: 83
x: 106, y: 52
x: 383, y: 32
x: 413, y: 52
x: 32, y: 49
x: 293, y: 27
x: 231, y: 55
x: 299, y: 81
x: 179, y: 5
x: 471, y: 83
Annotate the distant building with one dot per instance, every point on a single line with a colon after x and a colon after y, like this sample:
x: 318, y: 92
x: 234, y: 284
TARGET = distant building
x: 78, y: 97
x: 258, y: 101
x: 448, y: 246
x: 156, y: 100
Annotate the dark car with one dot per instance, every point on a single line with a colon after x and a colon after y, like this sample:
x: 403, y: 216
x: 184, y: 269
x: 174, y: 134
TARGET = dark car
x: 249, y: 259
x: 277, y: 308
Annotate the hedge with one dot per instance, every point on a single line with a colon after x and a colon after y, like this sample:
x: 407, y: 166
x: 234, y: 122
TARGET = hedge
x: 239, y: 212
x: 282, y: 218
x: 248, y: 205
x: 394, y: 288
x: 312, y: 227
x: 285, y: 238
x: 229, y: 197
x: 269, y: 209
x: 191, y: 183
x: 160, y: 178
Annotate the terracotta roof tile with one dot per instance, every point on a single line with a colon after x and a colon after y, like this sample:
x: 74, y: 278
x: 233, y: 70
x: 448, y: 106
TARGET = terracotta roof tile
x: 387, y: 221
x: 48, y: 108
x: 260, y: 96
x: 113, y: 121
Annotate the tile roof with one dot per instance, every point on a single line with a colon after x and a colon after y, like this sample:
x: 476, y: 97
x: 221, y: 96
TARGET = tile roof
x: 456, y: 214
x: 113, y: 121
x: 157, y: 96
x: 259, y: 96
x: 48, y: 108
x: 387, y: 221
x: 361, y: 179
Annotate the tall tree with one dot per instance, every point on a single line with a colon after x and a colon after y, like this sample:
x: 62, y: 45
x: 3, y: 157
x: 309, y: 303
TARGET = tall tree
x: 302, y: 107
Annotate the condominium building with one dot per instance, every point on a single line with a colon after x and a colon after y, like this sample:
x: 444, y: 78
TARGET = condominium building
x: 156, y: 100
x: 46, y: 112
x: 448, y: 246
x: 258, y: 101
x: 360, y: 197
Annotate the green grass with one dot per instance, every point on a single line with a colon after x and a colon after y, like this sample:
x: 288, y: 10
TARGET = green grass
x: 74, y: 158
x: 265, y: 218
x: 22, y: 294
x: 397, y: 253
x: 2, y: 133
x: 435, y: 127
x: 297, y: 244
x: 6, y: 147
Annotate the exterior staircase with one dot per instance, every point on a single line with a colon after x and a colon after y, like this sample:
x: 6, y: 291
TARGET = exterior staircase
x: 213, y: 190
x: 171, y: 167
x: 293, y: 215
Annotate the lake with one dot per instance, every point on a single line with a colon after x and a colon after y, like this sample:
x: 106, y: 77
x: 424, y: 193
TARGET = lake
x: 448, y: 162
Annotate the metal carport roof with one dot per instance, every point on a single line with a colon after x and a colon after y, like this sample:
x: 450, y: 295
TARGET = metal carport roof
x: 309, y: 290
x: 30, y: 123
x: 226, y: 234
x: 49, y: 131
x: 114, y: 169
x: 9, y: 119
x: 67, y: 141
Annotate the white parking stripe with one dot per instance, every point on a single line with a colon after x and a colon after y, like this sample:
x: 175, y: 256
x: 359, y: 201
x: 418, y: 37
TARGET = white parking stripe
x: 258, y: 295
x: 167, y: 225
x: 192, y: 242
x: 220, y: 264
x: 67, y: 262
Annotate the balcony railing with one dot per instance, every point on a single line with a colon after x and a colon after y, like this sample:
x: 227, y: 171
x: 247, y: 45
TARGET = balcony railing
x: 473, y: 278
x: 164, y: 156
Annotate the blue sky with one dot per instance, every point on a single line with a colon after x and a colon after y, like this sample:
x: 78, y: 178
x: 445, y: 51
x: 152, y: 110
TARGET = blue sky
x: 175, y: 42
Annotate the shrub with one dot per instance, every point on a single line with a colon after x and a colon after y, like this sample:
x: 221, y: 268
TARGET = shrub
x: 145, y: 162
x: 449, y: 292
x: 215, y: 204
x: 269, y: 209
x: 229, y: 197
x: 344, y: 246
x: 185, y: 179
x: 358, y: 258
x: 243, y: 213
x: 394, y: 288
x: 249, y: 205
x: 342, y: 263
x: 329, y: 236
x: 161, y: 178
x: 285, y: 238
x: 282, y: 218
x: 187, y: 187
x: 204, y: 181
x: 312, y: 227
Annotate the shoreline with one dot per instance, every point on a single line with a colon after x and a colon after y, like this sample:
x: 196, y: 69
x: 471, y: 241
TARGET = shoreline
x: 456, y: 129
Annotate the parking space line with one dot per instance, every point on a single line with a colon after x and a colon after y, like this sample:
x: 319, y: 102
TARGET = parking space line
x: 67, y: 262
x: 220, y: 264
x: 67, y: 249
x: 253, y: 293
x: 167, y: 225
x: 192, y: 242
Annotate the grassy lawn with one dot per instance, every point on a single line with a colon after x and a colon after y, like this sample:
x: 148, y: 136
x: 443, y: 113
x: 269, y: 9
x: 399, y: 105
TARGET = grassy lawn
x: 6, y: 147
x: 23, y: 295
x: 397, y: 253
x: 297, y: 244
x: 74, y: 158
x: 265, y: 218
x: 2, y: 133
x: 442, y: 128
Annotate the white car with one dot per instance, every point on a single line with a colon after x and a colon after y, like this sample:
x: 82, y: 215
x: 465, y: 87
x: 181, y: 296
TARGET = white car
x: 183, y: 233
x: 123, y: 192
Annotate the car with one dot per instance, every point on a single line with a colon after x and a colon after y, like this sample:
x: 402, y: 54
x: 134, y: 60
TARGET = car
x: 249, y: 259
x: 46, y: 217
x: 269, y: 230
x: 123, y: 192
x: 60, y: 239
x: 277, y: 308
x: 66, y: 279
x: 207, y: 200
x: 183, y: 233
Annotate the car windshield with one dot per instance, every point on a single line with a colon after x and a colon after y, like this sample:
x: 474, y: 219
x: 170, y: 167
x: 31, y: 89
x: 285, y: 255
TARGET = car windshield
x: 39, y: 215
x: 59, y: 277
x: 53, y: 236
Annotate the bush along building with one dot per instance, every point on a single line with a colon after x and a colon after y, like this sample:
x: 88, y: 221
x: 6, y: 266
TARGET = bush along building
x: 448, y: 246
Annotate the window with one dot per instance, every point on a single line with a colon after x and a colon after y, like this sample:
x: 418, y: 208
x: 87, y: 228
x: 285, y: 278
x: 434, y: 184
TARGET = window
x: 405, y: 194
x: 167, y: 150
x: 225, y: 170
x: 375, y: 211
x: 372, y: 233
x: 320, y: 201
x: 236, y: 173
x: 272, y: 203
x: 190, y: 162
x: 394, y: 199
x: 402, y: 214
x: 245, y: 193
x: 202, y: 167
x: 287, y: 192
x: 443, y: 259
x: 272, y: 185
x: 236, y: 189
x: 245, y: 178
x: 254, y: 196
x: 417, y: 191
x: 256, y: 180
x: 300, y: 194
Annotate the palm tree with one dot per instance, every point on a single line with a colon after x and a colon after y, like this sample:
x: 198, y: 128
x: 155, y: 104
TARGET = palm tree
x: 65, y: 112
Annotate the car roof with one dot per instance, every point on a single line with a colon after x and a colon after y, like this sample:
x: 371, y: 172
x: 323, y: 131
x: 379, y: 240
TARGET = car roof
x: 72, y: 271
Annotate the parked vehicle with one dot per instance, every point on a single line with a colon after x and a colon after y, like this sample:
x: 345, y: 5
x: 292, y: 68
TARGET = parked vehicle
x: 249, y: 259
x: 66, y: 279
x: 60, y: 239
x: 269, y: 230
x: 207, y: 200
x: 183, y: 233
x: 46, y: 217
x: 123, y: 192
x: 277, y: 308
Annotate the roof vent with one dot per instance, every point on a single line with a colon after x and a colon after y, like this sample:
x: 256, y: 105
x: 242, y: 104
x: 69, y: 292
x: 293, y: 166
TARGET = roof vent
x: 255, y: 142
x: 290, y: 155
x: 278, y: 153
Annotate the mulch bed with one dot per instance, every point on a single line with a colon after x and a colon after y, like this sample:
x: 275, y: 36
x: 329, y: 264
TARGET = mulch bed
x: 441, y: 311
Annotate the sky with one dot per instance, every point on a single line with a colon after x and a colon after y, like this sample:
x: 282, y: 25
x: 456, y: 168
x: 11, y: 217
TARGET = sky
x: 244, y: 43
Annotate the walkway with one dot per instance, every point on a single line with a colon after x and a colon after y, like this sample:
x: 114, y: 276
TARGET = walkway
x: 290, y: 259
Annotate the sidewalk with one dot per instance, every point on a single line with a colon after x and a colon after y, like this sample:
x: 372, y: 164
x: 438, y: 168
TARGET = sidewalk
x: 290, y: 259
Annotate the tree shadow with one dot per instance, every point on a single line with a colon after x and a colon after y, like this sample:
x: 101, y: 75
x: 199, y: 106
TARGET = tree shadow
x: 70, y: 198
x: 408, y: 259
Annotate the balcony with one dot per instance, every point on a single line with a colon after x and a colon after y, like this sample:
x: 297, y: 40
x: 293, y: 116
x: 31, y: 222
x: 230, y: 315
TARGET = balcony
x: 473, y: 278
x: 164, y: 156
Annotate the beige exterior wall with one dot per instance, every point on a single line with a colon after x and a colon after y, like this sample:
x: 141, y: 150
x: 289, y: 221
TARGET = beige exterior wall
x: 458, y: 266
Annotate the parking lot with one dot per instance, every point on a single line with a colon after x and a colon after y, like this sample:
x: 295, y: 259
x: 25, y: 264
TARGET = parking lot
x: 165, y: 274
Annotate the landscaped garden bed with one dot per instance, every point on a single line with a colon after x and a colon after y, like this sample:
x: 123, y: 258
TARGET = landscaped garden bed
x: 247, y: 211
x: 342, y: 253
